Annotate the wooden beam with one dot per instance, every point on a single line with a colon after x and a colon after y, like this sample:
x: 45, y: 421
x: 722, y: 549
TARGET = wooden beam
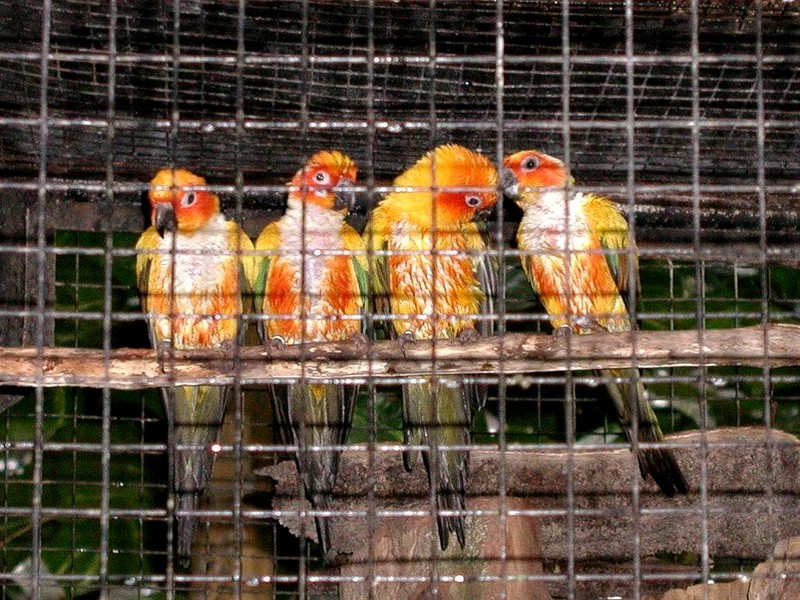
x: 748, y: 477
x: 386, y: 361
x: 20, y: 270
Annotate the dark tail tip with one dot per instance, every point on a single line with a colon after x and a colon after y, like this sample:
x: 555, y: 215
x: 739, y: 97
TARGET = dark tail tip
x: 663, y: 468
x: 408, y: 458
x: 444, y: 532
x: 321, y: 501
x: 451, y: 500
x: 187, y: 527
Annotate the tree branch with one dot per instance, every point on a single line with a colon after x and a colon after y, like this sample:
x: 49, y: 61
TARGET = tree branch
x: 385, y: 361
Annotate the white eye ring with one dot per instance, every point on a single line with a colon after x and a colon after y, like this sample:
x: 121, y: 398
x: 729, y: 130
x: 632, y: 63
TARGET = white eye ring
x: 322, y: 177
x: 188, y: 199
x: 530, y: 163
x: 473, y: 201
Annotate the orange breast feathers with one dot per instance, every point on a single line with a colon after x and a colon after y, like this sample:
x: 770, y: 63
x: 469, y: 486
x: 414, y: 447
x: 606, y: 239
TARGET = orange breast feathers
x: 330, y: 307
x: 195, y: 312
x: 433, y: 295
x: 576, y: 285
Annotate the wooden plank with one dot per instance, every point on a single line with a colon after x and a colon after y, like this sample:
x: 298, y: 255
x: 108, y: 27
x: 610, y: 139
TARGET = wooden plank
x: 748, y: 476
x: 19, y: 277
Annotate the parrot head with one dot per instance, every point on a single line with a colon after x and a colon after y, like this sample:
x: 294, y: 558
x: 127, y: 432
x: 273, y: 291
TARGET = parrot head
x: 530, y: 171
x: 459, y: 182
x: 178, y: 204
x: 327, y: 180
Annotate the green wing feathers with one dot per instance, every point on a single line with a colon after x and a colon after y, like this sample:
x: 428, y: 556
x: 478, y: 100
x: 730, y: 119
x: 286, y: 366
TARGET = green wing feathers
x: 611, y: 229
x: 267, y: 244
x: 377, y: 272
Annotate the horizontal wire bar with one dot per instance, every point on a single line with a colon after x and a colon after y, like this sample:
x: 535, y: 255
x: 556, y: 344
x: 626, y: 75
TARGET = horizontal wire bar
x: 396, y: 126
x: 490, y: 60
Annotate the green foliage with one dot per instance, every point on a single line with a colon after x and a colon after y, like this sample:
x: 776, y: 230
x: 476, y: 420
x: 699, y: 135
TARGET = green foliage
x: 72, y: 479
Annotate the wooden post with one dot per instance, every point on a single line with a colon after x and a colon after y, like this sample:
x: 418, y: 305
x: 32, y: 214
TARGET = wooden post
x: 19, y: 277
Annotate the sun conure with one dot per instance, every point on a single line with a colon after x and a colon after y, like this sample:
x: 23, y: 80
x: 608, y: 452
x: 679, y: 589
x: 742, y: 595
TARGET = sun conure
x: 430, y: 272
x: 310, y: 287
x: 193, y: 272
x: 576, y: 252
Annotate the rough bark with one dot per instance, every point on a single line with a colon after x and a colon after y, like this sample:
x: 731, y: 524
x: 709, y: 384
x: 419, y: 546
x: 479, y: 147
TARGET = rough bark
x: 19, y: 278
x: 751, y: 486
x: 387, y: 361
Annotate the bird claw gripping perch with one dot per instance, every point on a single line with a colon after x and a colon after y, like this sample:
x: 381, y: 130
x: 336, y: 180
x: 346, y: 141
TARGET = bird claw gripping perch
x: 469, y: 335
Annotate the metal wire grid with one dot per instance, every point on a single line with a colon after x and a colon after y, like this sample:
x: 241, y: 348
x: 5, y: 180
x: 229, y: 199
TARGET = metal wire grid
x: 572, y: 98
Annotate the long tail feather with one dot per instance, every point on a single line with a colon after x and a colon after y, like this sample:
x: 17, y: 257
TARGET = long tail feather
x: 438, y: 416
x: 316, y: 416
x: 195, y: 415
x: 631, y: 403
x: 186, y: 525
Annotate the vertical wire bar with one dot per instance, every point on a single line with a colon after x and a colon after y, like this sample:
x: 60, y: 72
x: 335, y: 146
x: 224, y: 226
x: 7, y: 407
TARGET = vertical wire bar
x: 105, y: 497
x: 372, y: 433
x: 764, y: 272
x: 75, y: 410
x: 434, y: 452
x: 630, y: 185
x: 694, y: 50
x: 242, y: 321
x: 500, y: 295
x: 305, y: 92
x: 569, y: 381
x: 172, y: 453
x: 41, y: 306
x: 738, y: 392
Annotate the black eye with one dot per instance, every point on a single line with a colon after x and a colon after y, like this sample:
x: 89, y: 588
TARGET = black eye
x: 530, y: 163
x: 473, y: 201
x: 322, y: 177
x: 189, y: 199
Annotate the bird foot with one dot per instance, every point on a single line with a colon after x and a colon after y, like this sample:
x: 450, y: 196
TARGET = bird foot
x: 405, y: 339
x: 164, y: 352
x: 469, y: 335
x: 276, y: 344
x: 589, y: 324
x: 562, y: 331
x: 228, y: 348
x: 360, y: 342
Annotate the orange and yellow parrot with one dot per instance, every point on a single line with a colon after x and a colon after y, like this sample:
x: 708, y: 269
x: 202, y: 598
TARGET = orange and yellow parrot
x: 576, y: 253
x: 192, y: 276
x: 310, y: 286
x: 430, y: 273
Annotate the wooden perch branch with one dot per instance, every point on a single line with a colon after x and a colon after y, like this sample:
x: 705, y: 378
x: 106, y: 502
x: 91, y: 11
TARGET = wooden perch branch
x: 776, y: 345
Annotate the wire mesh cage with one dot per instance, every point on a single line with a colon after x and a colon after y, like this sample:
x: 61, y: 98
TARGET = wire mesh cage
x: 684, y: 114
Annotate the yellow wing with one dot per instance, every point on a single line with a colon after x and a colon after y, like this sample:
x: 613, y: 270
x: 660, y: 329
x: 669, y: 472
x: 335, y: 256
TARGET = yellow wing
x: 268, y: 242
x: 485, y: 269
x: 354, y: 243
x: 149, y: 240
x: 611, y: 228
x: 242, y: 243
x: 376, y: 239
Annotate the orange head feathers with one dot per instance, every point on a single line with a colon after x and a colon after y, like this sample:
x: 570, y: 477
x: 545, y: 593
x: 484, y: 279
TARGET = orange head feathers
x: 460, y: 182
x: 327, y: 180
x: 528, y: 170
x: 179, y: 202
